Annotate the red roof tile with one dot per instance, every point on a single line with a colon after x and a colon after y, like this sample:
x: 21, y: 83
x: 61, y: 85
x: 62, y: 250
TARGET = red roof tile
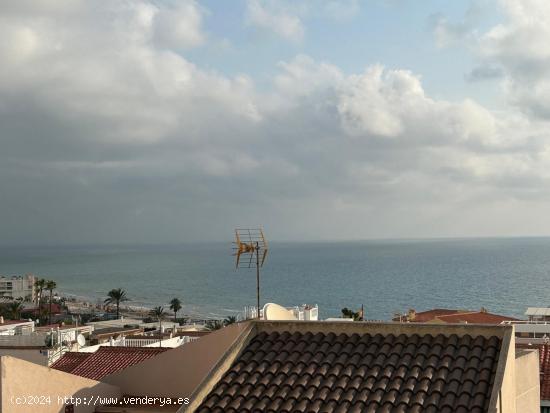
x: 108, y: 360
x: 457, y: 316
x: 425, y: 316
x: 476, y: 317
x: 70, y: 361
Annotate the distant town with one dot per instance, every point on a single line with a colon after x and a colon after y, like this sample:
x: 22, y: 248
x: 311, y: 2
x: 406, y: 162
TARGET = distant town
x: 43, y: 332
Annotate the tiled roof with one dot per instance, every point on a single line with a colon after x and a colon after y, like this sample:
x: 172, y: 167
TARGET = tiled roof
x: 325, y: 372
x: 475, y: 317
x: 429, y: 315
x: 455, y: 316
x: 107, y: 360
x: 69, y: 361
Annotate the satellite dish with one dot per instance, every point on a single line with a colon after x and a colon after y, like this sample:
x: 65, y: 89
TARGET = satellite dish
x: 81, y: 340
x: 277, y: 312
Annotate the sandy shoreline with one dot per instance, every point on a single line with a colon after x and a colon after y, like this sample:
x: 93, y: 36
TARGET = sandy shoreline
x: 86, y: 305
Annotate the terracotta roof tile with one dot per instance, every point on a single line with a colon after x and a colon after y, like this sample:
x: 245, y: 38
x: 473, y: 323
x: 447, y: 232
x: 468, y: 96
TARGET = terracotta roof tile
x: 70, y: 361
x: 477, y: 317
x: 458, y: 316
x: 359, y: 373
x: 107, y: 360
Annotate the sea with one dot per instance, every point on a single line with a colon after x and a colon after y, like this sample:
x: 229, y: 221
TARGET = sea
x: 503, y: 275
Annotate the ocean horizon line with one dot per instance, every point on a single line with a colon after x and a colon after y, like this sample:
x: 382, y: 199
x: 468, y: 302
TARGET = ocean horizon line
x: 275, y: 241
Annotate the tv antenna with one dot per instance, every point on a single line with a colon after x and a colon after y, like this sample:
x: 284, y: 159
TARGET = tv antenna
x: 251, y: 252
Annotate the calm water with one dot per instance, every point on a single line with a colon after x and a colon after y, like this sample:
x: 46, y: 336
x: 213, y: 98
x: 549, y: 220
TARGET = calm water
x: 503, y: 275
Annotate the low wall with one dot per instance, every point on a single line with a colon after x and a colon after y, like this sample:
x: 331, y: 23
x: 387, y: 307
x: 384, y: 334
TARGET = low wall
x: 527, y: 381
x: 20, y: 379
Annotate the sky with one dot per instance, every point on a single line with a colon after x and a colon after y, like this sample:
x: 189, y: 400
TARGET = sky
x: 167, y: 121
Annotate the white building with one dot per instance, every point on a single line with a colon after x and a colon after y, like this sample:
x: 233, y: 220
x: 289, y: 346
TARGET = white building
x: 15, y: 327
x: 302, y: 312
x: 18, y: 287
x: 535, y: 330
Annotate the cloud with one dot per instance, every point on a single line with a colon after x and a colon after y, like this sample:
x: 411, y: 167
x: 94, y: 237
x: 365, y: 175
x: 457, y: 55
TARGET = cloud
x: 448, y: 33
x: 286, y: 18
x: 180, y: 26
x: 519, y: 47
x: 270, y: 16
x: 484, y: 72
x: 108, y: 134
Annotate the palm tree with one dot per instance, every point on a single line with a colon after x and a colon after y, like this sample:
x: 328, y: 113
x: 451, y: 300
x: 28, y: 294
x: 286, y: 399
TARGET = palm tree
x: 356, y: 316
x: 158, y: 313
x: 39, y: 285
x: 50, y: 286
x: 15, y: 309
x: 212, y: 325
x: 116, y: 295
x: 229, y: 320
x: 175, y: 306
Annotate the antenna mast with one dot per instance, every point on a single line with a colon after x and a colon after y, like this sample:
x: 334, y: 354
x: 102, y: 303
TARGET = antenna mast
x: 250, y: 243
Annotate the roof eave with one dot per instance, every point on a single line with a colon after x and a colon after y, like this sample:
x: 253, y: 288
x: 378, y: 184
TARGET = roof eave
x: 220, y: 368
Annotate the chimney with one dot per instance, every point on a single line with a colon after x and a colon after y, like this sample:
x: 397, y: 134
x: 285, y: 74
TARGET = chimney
x: 411, y: 315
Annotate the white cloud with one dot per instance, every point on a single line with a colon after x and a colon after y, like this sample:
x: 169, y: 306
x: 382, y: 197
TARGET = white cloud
x: 449, y: 33
x: 286, y: 18
x: 99, y: 119
x: 270, y: 16
x: 179, y: 27
x: 520, y: 47
x: 375, y: 102
x: 303, y: 76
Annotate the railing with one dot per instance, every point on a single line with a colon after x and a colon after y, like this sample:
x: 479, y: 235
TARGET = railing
x: 149, y: 342
x: 188, y: 339
x: 538, y: 322
x: 138, y: 342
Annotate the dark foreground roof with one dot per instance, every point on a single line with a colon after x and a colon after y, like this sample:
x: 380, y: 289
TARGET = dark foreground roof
x: 106, y: 360
x: 325, y: 372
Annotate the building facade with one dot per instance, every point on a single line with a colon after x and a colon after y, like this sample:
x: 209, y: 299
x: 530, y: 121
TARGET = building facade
x: 18, y: 287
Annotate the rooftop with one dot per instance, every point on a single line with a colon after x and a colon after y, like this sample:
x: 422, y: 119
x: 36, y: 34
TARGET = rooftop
x: 70, y: 361
x: 106, y: 360
x: 538, y: 311
x: 357, y: 367
x: 425, y: 316
x: 107, y: 331
x: 476, y: 317
x: 15, y: 322
x: 452, y: 316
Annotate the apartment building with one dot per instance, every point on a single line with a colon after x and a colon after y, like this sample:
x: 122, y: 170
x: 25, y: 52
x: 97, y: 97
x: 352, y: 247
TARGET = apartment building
x: 18, y: 287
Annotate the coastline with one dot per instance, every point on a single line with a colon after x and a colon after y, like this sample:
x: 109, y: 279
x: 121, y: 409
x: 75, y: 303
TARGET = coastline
x: 78, y: 304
